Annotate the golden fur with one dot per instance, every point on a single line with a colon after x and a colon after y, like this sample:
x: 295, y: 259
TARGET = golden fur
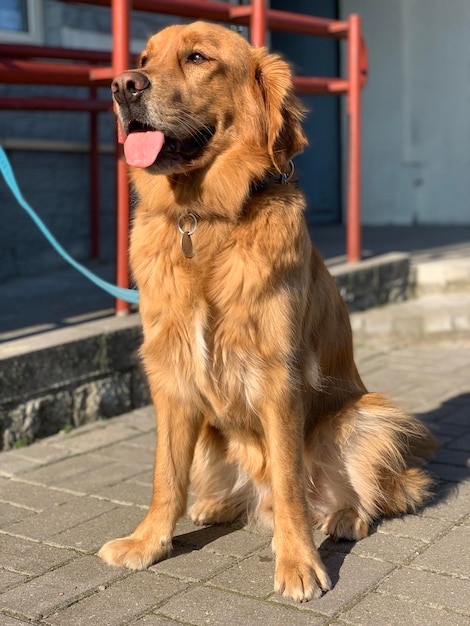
x: 247, y: 344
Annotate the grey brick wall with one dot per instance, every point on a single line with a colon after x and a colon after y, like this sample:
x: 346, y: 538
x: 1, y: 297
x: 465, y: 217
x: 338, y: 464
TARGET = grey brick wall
x: 57, y: 186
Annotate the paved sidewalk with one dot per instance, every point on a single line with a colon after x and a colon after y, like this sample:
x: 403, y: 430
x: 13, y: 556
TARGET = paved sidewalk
x: 61, y: 498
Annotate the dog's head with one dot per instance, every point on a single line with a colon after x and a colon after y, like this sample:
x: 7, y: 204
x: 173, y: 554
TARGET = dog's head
x: 201, y: 89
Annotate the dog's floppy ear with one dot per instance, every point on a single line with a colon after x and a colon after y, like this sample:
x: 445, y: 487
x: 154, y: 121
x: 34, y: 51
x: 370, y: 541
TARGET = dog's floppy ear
x: 283, y: 110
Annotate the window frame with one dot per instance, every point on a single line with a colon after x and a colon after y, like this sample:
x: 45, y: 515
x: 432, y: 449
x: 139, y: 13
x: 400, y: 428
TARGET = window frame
x: 35, y: 32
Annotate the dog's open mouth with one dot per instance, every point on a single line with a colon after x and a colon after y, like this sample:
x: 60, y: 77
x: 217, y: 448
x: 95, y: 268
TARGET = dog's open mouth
x: 144, y: 144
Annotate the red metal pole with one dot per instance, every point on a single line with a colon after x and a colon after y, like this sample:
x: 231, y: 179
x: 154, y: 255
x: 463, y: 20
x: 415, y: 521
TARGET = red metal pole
x: 120, y: 62
x: 353, y: 237
x: 94, y: 181
x: 258, y: 23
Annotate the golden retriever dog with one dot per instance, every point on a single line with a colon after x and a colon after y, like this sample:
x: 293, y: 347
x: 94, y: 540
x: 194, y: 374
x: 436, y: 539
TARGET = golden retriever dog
x: 247, y: 343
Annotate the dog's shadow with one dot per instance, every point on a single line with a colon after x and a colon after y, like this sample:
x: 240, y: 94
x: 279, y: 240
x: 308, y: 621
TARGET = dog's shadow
x: 450, y: 424
x: 203, y: 536
x: 333, y: 553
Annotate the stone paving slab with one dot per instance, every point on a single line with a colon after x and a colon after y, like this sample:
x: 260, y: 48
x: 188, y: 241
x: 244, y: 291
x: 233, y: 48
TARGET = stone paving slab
x: 424, y: 587
x: 377, y: 609
x: 90, y: 535
x: 120, y: 603
x: 10, y: 579
x: 351, y: 576
x: 203, y: 605
x: 45, y: 525
x: 44, y: 595
x: 31, y: 558
x: 61, y: 498
x: 9, y: 621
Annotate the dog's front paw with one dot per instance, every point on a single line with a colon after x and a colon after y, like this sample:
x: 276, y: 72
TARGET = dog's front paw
x: 134, y: 553
x: 301, y: 581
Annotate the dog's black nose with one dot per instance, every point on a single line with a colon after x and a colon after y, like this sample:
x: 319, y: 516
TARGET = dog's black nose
x: 129, y: 85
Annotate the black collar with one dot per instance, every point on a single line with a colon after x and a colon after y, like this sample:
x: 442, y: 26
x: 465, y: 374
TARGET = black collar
x: 281, y: 179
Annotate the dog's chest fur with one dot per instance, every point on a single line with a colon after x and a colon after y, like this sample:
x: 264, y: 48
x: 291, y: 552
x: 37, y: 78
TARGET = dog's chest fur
x: 216, y: 327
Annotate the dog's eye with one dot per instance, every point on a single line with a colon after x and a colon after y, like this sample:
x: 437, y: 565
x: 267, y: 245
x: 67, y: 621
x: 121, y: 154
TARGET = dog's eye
x: 143, y: 61
x: 196, y: 58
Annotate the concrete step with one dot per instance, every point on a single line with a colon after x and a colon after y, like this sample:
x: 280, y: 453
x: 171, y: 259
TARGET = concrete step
x: 426, y: 317
x: 441, y: 275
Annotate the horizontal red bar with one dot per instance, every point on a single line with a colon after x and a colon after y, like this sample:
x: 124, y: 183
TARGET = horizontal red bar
x: 42, y: 73
x: 103, y: 74
x: 305, y: 24
x: 315, y: 85
x: 53, y: 104
x: 201, y: 9
x: 294, y: 22
x: 39, y: 73
x: 302, y: 86
x: 48, y: 52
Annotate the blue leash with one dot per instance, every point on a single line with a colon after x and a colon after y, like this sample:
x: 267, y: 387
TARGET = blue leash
x: 128, y: 295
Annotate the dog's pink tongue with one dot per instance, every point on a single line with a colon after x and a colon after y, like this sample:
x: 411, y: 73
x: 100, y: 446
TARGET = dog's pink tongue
x: 141, y: 149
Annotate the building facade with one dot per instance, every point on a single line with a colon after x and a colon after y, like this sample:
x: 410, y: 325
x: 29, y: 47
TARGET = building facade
x: 416, y: 115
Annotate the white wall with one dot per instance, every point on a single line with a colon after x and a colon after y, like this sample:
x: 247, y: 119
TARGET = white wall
x: 416, y: 111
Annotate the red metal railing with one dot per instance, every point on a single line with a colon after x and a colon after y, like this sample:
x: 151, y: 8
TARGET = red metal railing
x: 17, y: 66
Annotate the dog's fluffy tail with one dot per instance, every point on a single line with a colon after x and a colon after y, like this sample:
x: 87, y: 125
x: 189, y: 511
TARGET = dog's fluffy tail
x: 365, y: 463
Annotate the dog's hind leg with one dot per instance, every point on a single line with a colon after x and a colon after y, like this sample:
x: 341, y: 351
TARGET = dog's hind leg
x: 334, y: 503
x: 368, y: 467
x: 223, y: 492
x: 343, y: 524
